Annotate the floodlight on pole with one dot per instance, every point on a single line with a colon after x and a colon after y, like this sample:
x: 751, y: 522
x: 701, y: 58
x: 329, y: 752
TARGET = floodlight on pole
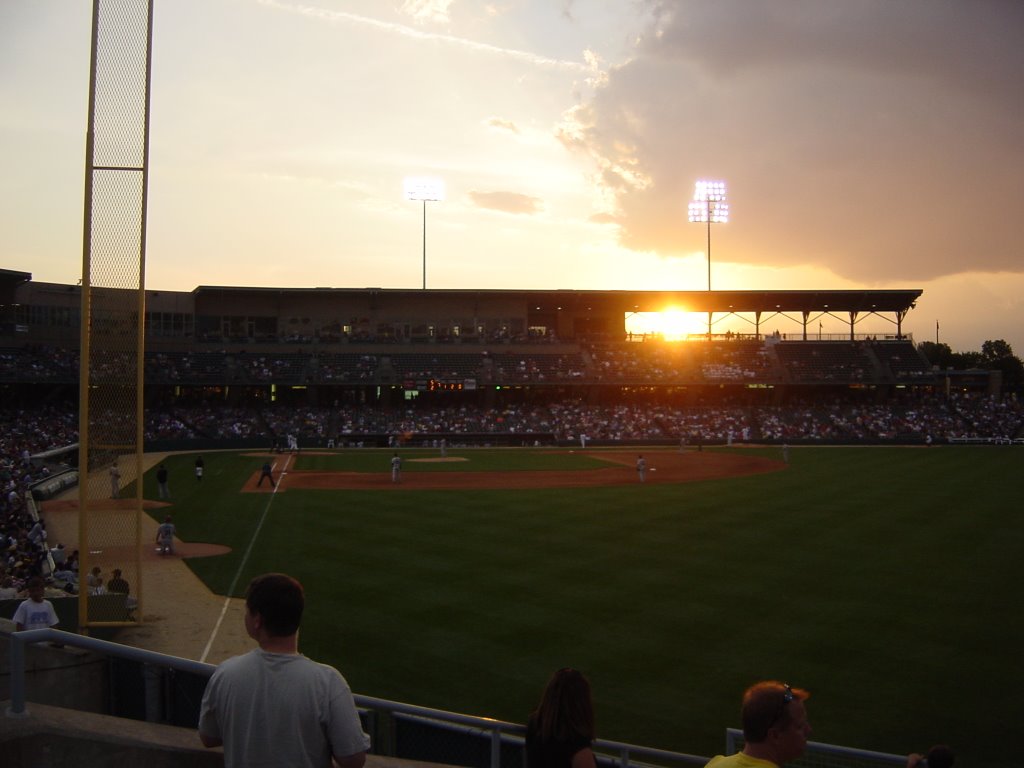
x: 427, y: 190
x: 709, y: 207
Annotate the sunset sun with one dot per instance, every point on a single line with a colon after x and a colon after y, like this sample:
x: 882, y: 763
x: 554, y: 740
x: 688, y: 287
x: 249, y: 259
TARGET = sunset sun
x: 672, y: 324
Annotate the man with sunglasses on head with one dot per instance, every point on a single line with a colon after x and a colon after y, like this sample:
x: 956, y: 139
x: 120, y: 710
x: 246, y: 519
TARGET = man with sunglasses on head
x: 775, y: 727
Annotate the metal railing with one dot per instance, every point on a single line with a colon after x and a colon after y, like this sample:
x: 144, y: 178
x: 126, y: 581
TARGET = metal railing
x: 498, y: 732
x: 19, y: 640
x: 819, y: 755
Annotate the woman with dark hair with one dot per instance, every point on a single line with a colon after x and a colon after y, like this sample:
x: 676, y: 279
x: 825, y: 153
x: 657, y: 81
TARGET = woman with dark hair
x: 561, y: 729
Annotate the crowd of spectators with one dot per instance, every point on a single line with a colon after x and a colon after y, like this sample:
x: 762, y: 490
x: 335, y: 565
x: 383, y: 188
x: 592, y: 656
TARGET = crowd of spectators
x: 960, y: 416
x: 24, y: 544
x: 38, y: 362
x: 345, y: 367
x: 724, y: 361
x: 520, y: 368
x: 957, y: 417
x: 737, y: 360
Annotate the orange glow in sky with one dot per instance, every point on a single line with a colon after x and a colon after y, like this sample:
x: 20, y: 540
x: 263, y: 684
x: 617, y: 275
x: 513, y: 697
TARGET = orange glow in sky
x: 568, y: 138
x: 671, y: 324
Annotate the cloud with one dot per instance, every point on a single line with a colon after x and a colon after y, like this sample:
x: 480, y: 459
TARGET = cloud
x: 323, y: 14
x: 507, y: 202
x: 427, y: 10
x: 877, y: 139
x: 502, y: 124
x: 973, y: 46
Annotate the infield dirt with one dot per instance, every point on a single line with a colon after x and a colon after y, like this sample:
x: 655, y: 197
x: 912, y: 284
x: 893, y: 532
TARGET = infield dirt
x: 662, y: 467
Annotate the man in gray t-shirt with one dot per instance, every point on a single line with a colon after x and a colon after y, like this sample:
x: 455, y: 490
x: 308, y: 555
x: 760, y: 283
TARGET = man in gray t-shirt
x: 273, y: 706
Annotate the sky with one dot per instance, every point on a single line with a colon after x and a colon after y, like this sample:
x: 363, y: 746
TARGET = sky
x: 865, y: 144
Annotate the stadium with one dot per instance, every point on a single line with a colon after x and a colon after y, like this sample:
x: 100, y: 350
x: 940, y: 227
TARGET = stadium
x: 372, y: 366
x: 477, y: 487
x: 792, y: 457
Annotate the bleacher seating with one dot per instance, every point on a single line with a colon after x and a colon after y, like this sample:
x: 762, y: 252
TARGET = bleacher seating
x: 186, y: 367
x: 646, y: 362
x: 537, y: 367
x: 736, y: 360
x: 901, y: 359
x: 440, y: 366
x: 38, y: 363
x: 338, y: 367
x: 841, y: 362
x: 277, y: 367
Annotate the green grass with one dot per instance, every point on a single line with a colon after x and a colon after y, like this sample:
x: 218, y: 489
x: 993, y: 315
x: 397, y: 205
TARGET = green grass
x: 883, y: 580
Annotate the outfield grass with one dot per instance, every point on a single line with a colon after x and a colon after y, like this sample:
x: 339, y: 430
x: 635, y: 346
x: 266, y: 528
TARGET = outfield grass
x: 879, y: 578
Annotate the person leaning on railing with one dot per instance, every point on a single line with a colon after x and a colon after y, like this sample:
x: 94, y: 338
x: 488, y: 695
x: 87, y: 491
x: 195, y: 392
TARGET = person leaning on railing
x: 273, y: 706
x: 560, y: 731
x: 939, y: 756
x: 775, y: 727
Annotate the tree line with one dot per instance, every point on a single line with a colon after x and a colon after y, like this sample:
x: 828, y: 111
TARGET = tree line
x: 995, y: 355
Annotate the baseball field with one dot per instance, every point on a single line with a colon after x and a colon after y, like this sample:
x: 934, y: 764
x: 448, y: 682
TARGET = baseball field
x: 881, y: 579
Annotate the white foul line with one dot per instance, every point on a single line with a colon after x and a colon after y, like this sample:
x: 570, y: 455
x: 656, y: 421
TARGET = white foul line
x: 245, y: 558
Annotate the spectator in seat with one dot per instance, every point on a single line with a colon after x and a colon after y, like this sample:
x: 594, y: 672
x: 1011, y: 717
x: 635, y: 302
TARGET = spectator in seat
x: 118, y: 583
x: 59, y: 555
x: 7, y: 589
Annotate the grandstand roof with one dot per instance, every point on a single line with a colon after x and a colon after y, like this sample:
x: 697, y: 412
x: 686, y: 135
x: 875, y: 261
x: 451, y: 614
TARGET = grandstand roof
x: 10, y: 279
x: 857, y: 301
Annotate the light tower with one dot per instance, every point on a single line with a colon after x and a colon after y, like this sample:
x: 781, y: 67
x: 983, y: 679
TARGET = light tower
x: 709, y: 207
x: 428, y: 190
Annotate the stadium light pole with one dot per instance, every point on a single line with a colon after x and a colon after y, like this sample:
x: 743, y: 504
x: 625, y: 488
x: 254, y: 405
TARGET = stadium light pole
x: 709, y: 207
x: 427, y: 190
